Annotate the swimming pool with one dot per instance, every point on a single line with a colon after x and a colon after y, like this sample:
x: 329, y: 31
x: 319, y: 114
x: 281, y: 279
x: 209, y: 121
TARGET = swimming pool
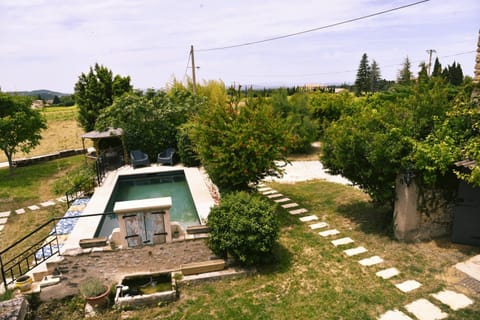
x: 152, y: 185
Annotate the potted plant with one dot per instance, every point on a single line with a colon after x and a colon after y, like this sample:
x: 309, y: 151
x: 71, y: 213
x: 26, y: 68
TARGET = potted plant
x: 94, y: 291
x: 23, y: 283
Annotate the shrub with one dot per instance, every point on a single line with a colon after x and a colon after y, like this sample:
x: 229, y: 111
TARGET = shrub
x: 185, y: 150
x: 79, y: 179
x: 92, y: 287
x: 243, y: 227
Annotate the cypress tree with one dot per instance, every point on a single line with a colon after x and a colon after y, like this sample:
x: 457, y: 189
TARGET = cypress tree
x: 437, y: 68
x: 363, y: 79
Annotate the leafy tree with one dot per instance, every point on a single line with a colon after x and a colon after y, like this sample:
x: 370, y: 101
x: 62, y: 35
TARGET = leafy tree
x: 244, y: 227
x: 95, y: 91
x: 328, y: 107
x: 56, y: 100
x: 20, y: 126
x: 363, y: 79
x: 453, y: 74
x: 238, y: 145
x: 423, y: 73
x: 375, y: 77
x: 437, y: 68
x: 405, y: 75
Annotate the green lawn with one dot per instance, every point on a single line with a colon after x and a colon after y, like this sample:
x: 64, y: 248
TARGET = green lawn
x: 309, y: 278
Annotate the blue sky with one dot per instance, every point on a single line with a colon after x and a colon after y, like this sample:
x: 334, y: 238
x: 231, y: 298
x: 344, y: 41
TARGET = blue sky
x: 47, y: 44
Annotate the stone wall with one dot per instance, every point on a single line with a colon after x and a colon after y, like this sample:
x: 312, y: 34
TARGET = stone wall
x: 56, y: 155
x: 420, y: 214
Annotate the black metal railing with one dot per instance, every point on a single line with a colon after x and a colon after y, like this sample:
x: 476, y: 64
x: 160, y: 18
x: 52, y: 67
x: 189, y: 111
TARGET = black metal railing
x: 41, y: 250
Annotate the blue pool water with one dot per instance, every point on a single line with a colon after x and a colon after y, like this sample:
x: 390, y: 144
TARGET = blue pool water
x: 153, y: 185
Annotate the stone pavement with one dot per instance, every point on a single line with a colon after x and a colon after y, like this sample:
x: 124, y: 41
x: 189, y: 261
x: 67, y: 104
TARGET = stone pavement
x: 422, y: 309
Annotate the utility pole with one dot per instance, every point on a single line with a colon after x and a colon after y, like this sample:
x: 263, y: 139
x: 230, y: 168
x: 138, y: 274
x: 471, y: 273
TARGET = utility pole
x: 194, y: 81
x: 430, y: 51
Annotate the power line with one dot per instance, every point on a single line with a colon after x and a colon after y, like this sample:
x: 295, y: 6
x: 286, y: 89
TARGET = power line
x: 314, y: 29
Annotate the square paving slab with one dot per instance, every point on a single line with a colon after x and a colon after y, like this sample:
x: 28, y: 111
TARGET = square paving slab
x: 34, y: 207
x: 371, y: 261
x: 262, y: 189
x: 4, y: 214
x: 309, y: 218
x: 47, y: 203
x: 20, y: 211
x: 388, y: 273
x: 3, y: 220
x: 298, y: 211
x: 266, y: 193
x: 342, y: 241
x: 289, y: 205
x: 276, y: 195
x: 425, y: 310
x: 281, y: 200
x: 454, y: 300
x: 355, y: 251
x: 394, y: 315
x: 327, y: 233
x: 408, y: 285
x: 318, y: 225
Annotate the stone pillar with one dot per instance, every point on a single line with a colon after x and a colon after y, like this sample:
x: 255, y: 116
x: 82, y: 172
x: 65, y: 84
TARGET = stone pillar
x: 407, y: 218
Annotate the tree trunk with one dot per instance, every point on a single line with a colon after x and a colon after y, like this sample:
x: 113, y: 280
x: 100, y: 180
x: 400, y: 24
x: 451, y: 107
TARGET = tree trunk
x: 10, y: 162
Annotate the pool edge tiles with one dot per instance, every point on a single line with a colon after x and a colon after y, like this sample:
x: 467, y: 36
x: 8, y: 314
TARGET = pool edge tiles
x: 87, y: 227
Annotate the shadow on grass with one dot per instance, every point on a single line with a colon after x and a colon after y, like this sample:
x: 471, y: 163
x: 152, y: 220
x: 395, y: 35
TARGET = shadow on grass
x: 369, y: 218
x: 278, y: 261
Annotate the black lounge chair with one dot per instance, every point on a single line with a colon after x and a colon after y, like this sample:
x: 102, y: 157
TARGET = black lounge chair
x: 166, y: 156
x: 139, y: 158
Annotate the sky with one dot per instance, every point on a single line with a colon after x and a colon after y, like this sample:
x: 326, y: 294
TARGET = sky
x: 48, y: 44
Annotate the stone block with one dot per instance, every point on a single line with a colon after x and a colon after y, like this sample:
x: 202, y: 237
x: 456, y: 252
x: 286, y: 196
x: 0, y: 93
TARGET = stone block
x: 342, y: 241
x: 355, y: 251
x: 454, y: 300
x: 371, y: 261
x: 408, y: 285
x: 309, y: 218
x: 328, y: 233
x: 318, y: 225
x: 394, y: 315
x: 298, y: 211
x: 425, y: 310
x: 388, y: 273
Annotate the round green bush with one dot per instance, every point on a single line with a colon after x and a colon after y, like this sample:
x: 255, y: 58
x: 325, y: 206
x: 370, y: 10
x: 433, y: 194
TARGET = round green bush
x: 243, y: 227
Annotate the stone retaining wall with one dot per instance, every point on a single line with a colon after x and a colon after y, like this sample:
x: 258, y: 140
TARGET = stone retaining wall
x: 56, y: 155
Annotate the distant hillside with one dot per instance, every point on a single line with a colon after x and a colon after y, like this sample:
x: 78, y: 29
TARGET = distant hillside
x: 44, y: 94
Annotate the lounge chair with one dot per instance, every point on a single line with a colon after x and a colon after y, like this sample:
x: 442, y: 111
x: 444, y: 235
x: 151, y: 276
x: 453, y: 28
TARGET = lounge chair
x: 139, y: 158
x: 166, y: 156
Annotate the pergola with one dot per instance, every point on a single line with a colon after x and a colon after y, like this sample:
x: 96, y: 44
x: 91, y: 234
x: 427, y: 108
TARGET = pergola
x: 97, y: 136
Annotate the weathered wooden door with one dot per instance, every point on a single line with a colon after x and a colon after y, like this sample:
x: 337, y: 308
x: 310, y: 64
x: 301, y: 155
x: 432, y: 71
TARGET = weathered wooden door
x: 134, y: 230
x: 466, y: 219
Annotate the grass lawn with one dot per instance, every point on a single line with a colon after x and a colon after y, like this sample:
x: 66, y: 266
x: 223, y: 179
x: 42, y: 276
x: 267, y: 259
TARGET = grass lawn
x: 309, y: 278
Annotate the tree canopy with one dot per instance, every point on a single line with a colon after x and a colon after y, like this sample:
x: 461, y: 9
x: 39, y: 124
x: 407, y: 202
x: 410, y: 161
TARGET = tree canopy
x: 95, y: 91
x: 20, y: 125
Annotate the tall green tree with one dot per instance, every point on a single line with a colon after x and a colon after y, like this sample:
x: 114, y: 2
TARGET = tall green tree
x: 363, y: 79
x: 453, y: 74
x: 375, y: 77
x: 437, y: 68
x: 405, y: 74
x: 20, y: 126
x: 95, y: 91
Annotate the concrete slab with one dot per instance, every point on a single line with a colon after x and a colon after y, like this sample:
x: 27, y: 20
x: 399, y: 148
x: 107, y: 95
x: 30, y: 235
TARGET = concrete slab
x: 266, y: 193
x: 298, y: 211
x: 371, y: 261
x: 341, y: 241
x: 388, y: 273
x: 454, y: 300
x: 34, y: 207
x: 3, y: 220
x: 425, y: 310
x: 355, y: 251
x: 394, y: 315
x: 5, y: 214
x: 328, y: 233
x: 20, y: 211
x: 318, y: 225
x: 408, y: 285
x: 471, y: 267
x: 47, y: 203
x: 62, y: 199
x: 289, y: 205
x: 262, y: 189
x: 276, y: 195
x: 281, y: 200
x: 309, y: 218
x: 1, y: 227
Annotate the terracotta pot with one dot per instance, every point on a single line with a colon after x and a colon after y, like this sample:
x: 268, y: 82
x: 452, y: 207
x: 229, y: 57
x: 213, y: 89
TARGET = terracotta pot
x: 24, y: 283
x: 99, y: 301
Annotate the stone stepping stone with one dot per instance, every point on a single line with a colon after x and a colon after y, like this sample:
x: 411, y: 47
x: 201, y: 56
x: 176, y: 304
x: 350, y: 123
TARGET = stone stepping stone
x: 309, y: 218
x: 425, y: 310
x: 3, y: 220
x: 20, y: 211
x: 281, y: 200
x: 394, y: 315
x: 355, y: 251
x: 62, y: 199
x: 318, y: 225
x: 454, y: 300
x: 262, y: 189
x: 408, y: 285
x: 276, y: 195
x: 328, y: 233
x: 298, y: 211
x: 341, y: 241
x: 266, y: 193
x: 371, y: 261
x: 5, y: 214
x: 388, y: 273
x: 289, y: 205
x: 47, y: 203
x: 1, y: 227
x: 34, y: 207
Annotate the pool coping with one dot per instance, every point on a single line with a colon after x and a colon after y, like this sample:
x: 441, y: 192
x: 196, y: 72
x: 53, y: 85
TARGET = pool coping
x: 87, y: 227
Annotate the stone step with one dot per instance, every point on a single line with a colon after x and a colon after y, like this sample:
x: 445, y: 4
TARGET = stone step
x: 388, y: 273
x: 454, y: 300
x: 318, y: 225
x: 342, y: 241
x: 394, y: 315
x: 371, y: 261
x: 408, y: 285
x: 309, y: 218
x: 327, y: 233
x: 355, y: 251
x: 425, y: 310
x: 289, y: 205
x: 298, y: 211
x: 281, y: 200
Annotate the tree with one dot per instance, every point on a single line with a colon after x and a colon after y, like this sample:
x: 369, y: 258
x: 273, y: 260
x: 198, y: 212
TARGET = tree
x: 453, y: 74
x: 20, y: 126
x: 56, y: 100
x: 375, y: 77
x: 238, y: 145
x: 423, y: 73
x: 405, y: 75
x: 95, y: 91
x: 363, y: 79
x: 437, y: 68
x: 244, y: 227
